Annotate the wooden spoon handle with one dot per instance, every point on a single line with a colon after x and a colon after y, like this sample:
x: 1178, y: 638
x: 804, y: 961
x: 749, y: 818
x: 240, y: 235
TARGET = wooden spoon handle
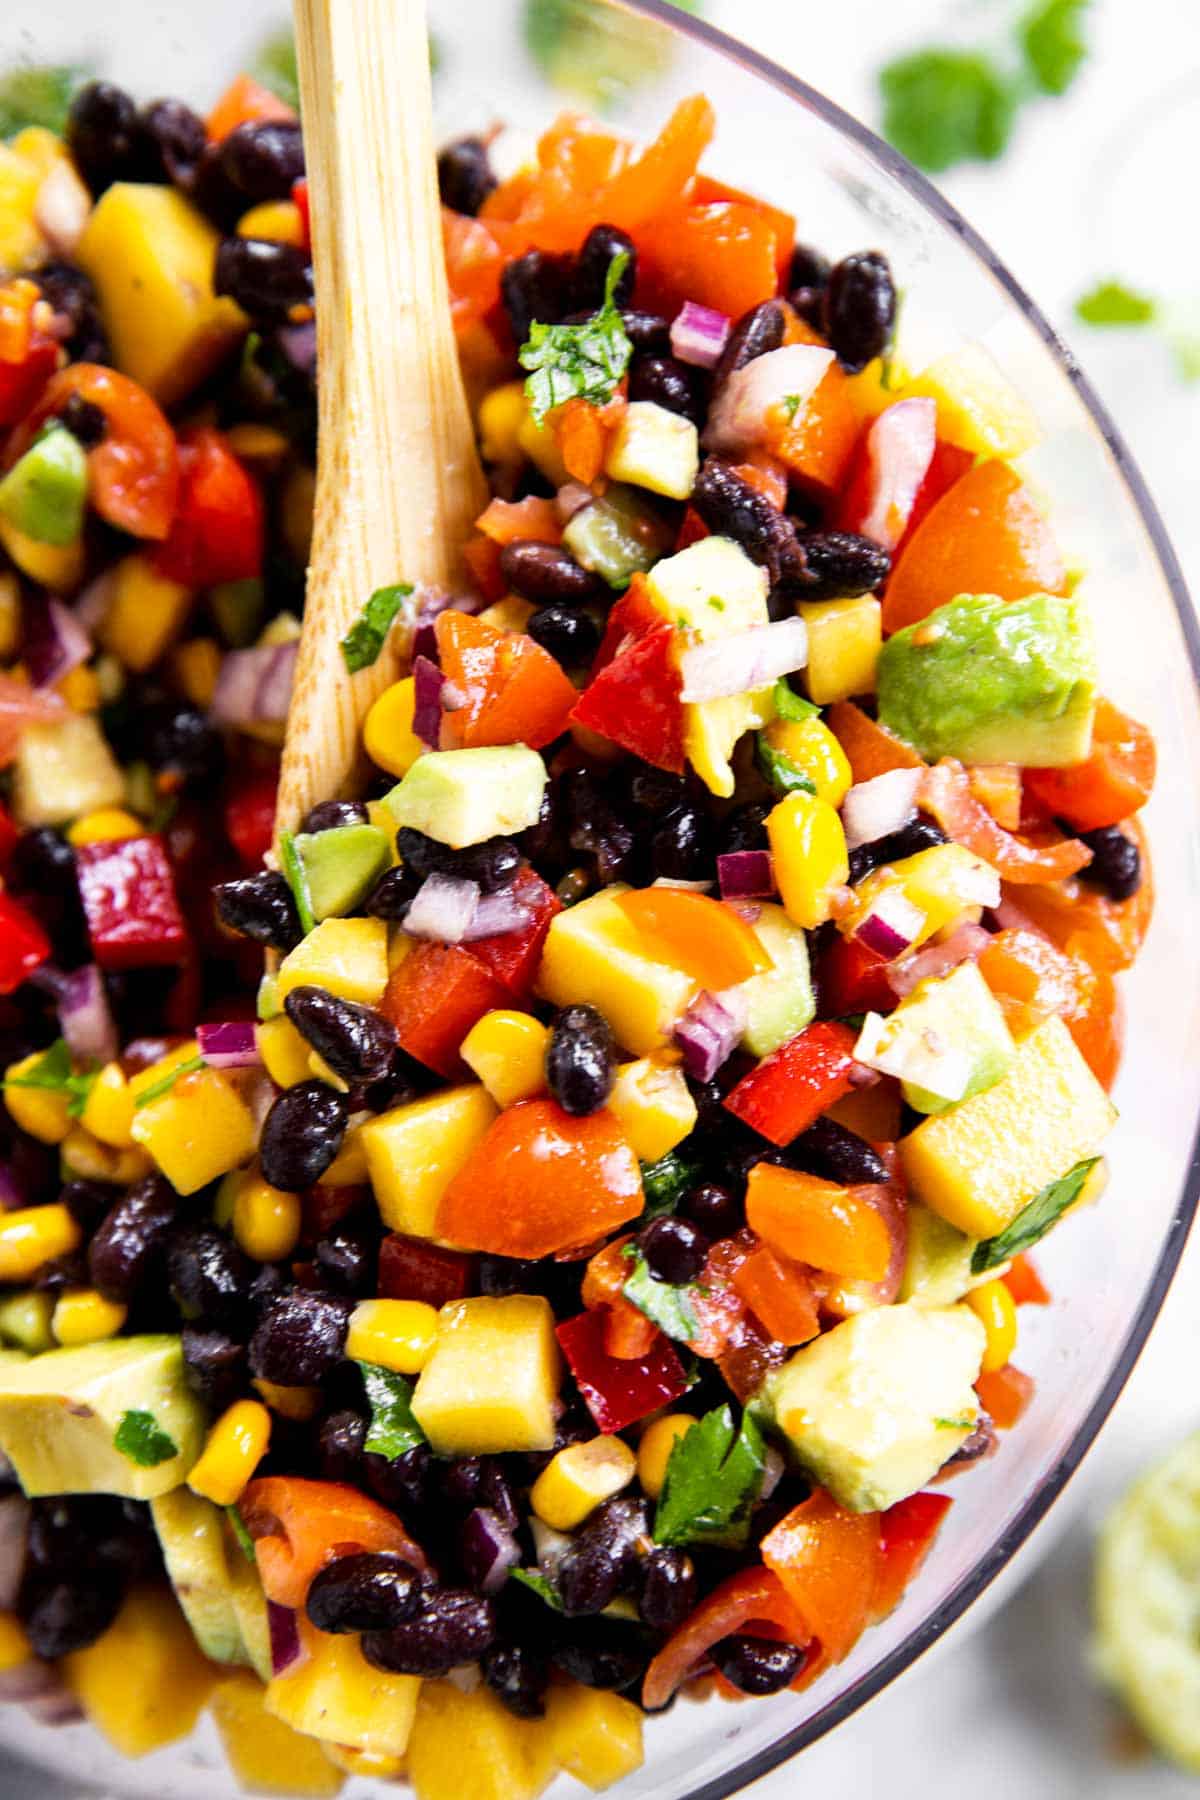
x: 398, y: 478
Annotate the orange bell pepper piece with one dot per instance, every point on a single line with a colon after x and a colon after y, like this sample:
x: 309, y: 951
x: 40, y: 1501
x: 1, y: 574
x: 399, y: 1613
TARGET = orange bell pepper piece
x: 752, y: 1597
x: 946, y: 794
x: 721, y: 255
x: 514, y: 691
x: 827, y: 1561
x: 482, y: 557
x: 818, y: 445
x: 507, y: 521
x: 779, y: 1294
x: 817, y: 1222
x: 133, y: 472
x: 906, y: 1534
x: 703, y: 937
x: 1005, y: 1395
x: 1114, y: 782
x: 245, y: 101
x: 583, y: 432
x: 298, y: 1526
x: 706, y: 189
x: 767, y: 474
x: 1024, y: 1283
x: 1033, y: 979
x: 542, y: 1182
x: 870, y: 749
x: 654, y: 181
x: 474, y: 263
x: 1084, y: 922
x: 997, y: 787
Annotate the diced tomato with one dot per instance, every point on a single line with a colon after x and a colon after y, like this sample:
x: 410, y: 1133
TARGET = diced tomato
x: 513, y: 521
x: 752, y: 1598
x: 832, y: 1228
x: 618, y: 1391
x: 841, y: 1295
x: 1024, y: 1283
x: 791, y: 1088
x: 217, y: 532
x: 705, y: 938
x: 720, y: 255
x: 1035, y: 980
x: 515, y: 692
x: 628, y: 1333
x: 514, y: 956
x: 298, y: 1526
x: 691, y: 530
x: 414, y: 1269
x: 906, y: 1534
x: 870, y: 749
x: 827, y: 1560
x: 818, y: 444
x: 28, y: 356
x: 1114, y: 782
x: 633, y: 616
x: 1005, y: 1395
x: 946, y: 794
x: 24, y: 946
x: 474, y: 263
x: 434, y: 997
x: 133, y: 472
x: 245, y: 101
x: 250, y: 816
x: 779, y: 1294
x: 482, y: 557
x: 890, y: 466
x: 853, y: 978
x: 873, y: 1112
x: 129, y: 901
x: 635, y: 701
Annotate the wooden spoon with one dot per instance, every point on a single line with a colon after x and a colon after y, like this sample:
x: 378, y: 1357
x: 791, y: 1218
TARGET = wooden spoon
x: 398, y: 478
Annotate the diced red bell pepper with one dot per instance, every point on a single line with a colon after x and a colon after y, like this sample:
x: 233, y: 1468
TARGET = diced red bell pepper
x: 9, y: 836
x: 412, y: 1269
x: 435, y: 996
x: 636, y: 701
x: 513, y: 691
x: 906, y: 1534
x: 618, y: 1391
x: 1024, y: 1283
x: 852, y: 978
x: 1005, y: 1394
x: 633, y: 616
x: 250, y: 816
x: 217, y: 532
x: 24, y: 946
x: 128, y: 891
x: 514, y: 956
x: 791, y: 1088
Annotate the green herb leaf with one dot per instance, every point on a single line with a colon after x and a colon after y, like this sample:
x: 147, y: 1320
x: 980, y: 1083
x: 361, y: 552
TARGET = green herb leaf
x: 790, y: 404
x: 141, y: 1440
x: 585, y: 362
x: 665, y: 1182
x: 53, y: 1074
x: 942, y: 107
x: 38, y: 96
x: 275, y: 67
x: 365, y: 638
x: 238, y: 1527
x: 714, y: 1476
x: 716, y: 602
x: 540, y: 1584
x: 296, y: 876
x: 667, y: 1306
x: 779, y: 772
x: 962, y: 1424
x: 791, y: 705
x: 1034, y: 1220
x: 393, y: 1429
x: 158, y: 1088
x: 1112, y: 303
x: 1053, y: 44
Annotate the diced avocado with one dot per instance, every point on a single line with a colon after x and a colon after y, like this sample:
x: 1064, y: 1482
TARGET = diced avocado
x: 249, y: 1605
x: 64, y: 770
x: 874, y: 1407
x: 491, y: 1384
x: 45, y: 491
x: 616, y: 537
x: 342, y: 865
x: 937, y: 1268
x: 594, y: 957
x: 25, y: 1320
x: 993, y: 681
x: 780, y: 1000
x: 191, y: 1532
x: 654, y: 449
x: 944, y: 1042
x: 60, y: 1413
x: 463, y: 797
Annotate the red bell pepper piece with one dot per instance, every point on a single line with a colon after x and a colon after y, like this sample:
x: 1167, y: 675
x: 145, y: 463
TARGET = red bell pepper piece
x: 1024, y: 1283
x: 618, y: 1391
x: 217, y: 532
x: 791, y: 1088
x: 412, y: 1269
x: 9, y: 836
x: 129, y: 901
x: 435, y: 996
x: 906, y: 1534
x: 298, y: 1526
x: 300, y: 202
x: 250, y: 816
x: 1005, y: 1394
x: 635, y: 701
x: 633, y: 616
x: 133, y: 472
x: 852, y: 978
x: 513, y: 957
x: 24, y: 946
x: 514, y: 691
x: 750, y: 1599
x: 28, y: 357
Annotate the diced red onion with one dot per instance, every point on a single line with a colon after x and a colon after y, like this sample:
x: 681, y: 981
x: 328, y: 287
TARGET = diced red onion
x: 442, y: 909
x: 749, y: 911
x: 740, y: 416
x: 965, y: 945
x: 773, y: 1472
x: 53, y: 641
x: 12, y: 1194
x: 254, y: 687
x: 748, y: 659
x: 874, y: 809
x: 14, y: 1532
x: 699, y: 334
x: 899, y: 448
x: 86, y: 1017
x: 428, y: 682
x: 93, y: 605
x: 231, y: 1044
x: 569, y: 498
x: 430, y: 602
x: 891, y: 925
x: 299, y: 345
x: 496, y: 916
x: 285, y: 1638
x: 746, y: 875
x: 56, y: 1707
x: 488, y: 1549
x: 61, y: 207
x: 709, y: 1031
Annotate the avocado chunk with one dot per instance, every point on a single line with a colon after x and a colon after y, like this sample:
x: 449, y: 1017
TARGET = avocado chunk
x: 342, y: 866
x: 45, y: 491
x: 874, y: 1407
x: 191, y: 1532
x: 463, y: 797
x: 60, y: 1414
x: 780, y: 999
x: 937, y: 1266
x: 249, y: 1605
x: 993, y: 681
x: 945, y: 1041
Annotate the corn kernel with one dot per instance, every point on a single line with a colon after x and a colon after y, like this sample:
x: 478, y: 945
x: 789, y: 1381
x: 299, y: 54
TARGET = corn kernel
x: 262, y: 446
x: 146, y: 614
x: 80, y: 688
x: 15, y: 1648
x: 196, y: 665
x: 278, y: 221
x: 266, y: 1221
x: 108, y: 1109
x: 510, y: 614
x: 284, y: 1052
x: 574, y: 1482
x: 232, y: 1451
x: 296, y: 1403
x: 85, y: 1156
x: 396, y: 1334
x: 34, y: 1235
x: 654, y: 1451
x: 996, y: 1311
x: 388, y: 736
x: 507, y: 1050
x: 652, y: 1104
x: 501, y: 415
x: 25, y: 1320
x: 42, y: 1112
x: 82, y: 1316
x: 811, y: 747
x: 103, y: 825
x: 808, y: 848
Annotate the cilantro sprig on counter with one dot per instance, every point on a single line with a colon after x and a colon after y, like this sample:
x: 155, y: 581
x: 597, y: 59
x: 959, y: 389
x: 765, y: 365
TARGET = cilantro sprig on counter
x: 53, y: 1073
x: 1034, y: 1220
x: 1112, y: 304
x: 393, y: 1429
x: 584, y: 362
x: 141, y: 1440
x: 713, y: 1479
x: 366, y: 637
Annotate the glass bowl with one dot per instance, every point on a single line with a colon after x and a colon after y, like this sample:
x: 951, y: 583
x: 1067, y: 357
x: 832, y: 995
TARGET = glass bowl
x: 1109, y: 1269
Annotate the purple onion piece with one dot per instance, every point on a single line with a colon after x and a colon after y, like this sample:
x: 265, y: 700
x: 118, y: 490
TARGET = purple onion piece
x: 86, y: 1017
x: 709, y: 1031
x: 254, y: 687
x: 428, y: 682
x: 285, y: 1638
x: 746, y: 875
x: 442, y: 909
x: 699, y: 334
x: 231, y: 1044
x: 299, y: 345
x: 749, y: 659
x: 878, y: 935
x: 12, y: 1195
x: 496, y: 916
x: 487, y: 1550
x: 53, y: 642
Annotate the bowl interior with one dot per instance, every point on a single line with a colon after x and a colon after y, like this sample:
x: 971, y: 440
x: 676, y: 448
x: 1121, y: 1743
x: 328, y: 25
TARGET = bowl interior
x: 1108, y: 1269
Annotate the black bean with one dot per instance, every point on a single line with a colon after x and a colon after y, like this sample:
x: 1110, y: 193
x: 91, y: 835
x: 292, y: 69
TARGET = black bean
x: 546, y: 573
x: 302, y: 1134
x: 597, y: 827
x: 215, y: 1366
x: 609, y: 1661
x: 839, y: 1154
x: 675, y: 386
x: 860, y: 308
x: 355, y: 1040
x: 347, y: 1260
x: 518, y: 1676
x: 269, y: 1285
x: 340, y: 1445
x: 392, y: 895
x: 982, y: 1443
x: 536, y: 286
x: 732, y: 508
x: 71, y: 292
x: 300, y: 1338
x: 745, y: 828
x: 465, y: 175
x: 839, y: 565
x: 674, y: 1249
x: 502, y: 1275
x: 128, y: 1246
x: 809, y: 303
x: 267, y: 279
x: 403, y: 1482
x: 328, y: 815
x: 1116, y: 864
x: 176, y: 137
x: 758, y: 331
x: 572, y: 638
x: 214, y: 193
x: 260, y: 907
x: 405, y: 1080
x: 715, y: 1209
x: 809, y: 269
x: 581, y: 1060
x: 669, y: 1588
x: 369, y: 1591
x: 656, y: 791
x: 88, y: 1201
x: 757, y: 1665
x: 649, y: 334
x: 70, y: 1533
x: 921, y: 834
x: 69, y: 1271
x: 461, y: 1482
x: 69, y: 1615
x: 104, y: 134
x: 455, y: 1626
x: 596, y: 253
x: 263, y: 158
x: 493, y: 864
x: 178, y: 739
x: 41, y: 871
x: 681, y: 848
x: 602, y: 1557
x: 210, y: 1277
x: 84, y: 420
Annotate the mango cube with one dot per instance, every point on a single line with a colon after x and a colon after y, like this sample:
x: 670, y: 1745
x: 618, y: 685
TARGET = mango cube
x: 808, y: 850
x: 501, y: 415
x: 579, y: 1477
x: 199, y: 1129
x: 593, y: 957
x: 21, y: 243
x: 108, y: 1110
x: 267, y: 1756
x: 146, y: 612
x: 346, y: 957
x: 414, y: 1152
x: 492, y: 1381
x: 283, y: 1051
x: 942, y: 883
x: 334, y: 1694
x: 143, y: 1682
x: 349, y: 1166
x: 64, y: 770
x: 978, y: 408
x: 42, y: 1112
x: 655, y: 449
x: 595, y: 1736
x: 844, y: 641
x: 507, y: 1050
x: 653, y: 1105
x: 470, y: 1747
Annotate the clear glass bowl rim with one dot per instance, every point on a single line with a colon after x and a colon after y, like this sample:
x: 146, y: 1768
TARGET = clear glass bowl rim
x: 761, y: 1762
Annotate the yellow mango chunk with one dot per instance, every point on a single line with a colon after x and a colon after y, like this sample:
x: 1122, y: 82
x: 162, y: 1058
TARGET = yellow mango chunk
x: 653, y: 1106
x: 941, y: 883
x: 284, y: 1052
x: 108, y: 1110
x: 595, y: 1736
x: 470, y: 1747
x: 334, y: 1694
x: 492, y: 1381
x: 21, y: 243
x: 844, y: 641
x: 414, y: 1152
x: 199, y: 1129
x: 501, y: 415
x: 346, y: 957
x: 151, y: 255
x: 267, y: 1756
x: 507, y: 1050
x: 593, y: 957
x: 978, y: 408
x: 42, y: 1112
x: 144, y: 1682
x: 808, y: 850
x: 509, y: 614
x: 349, y: 1166
x: 63, y: 770
x: 58, y: 567
x: 540, y: 445
x: 146, y: 613
x: 982, y: 1162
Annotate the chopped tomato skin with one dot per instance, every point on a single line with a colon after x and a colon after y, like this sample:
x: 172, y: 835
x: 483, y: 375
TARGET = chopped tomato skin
x: 435, y: 996
x: 906, y: 1534
x: 827, y: 1561
x: 1024, y: 1283
x: 753, y: 1597
x: 618, y: 1391
x: 635, y: 701
x: 695, y: 933
x: 218, y: 529
x: 833, y: 1228
x: 1005, y: 1395
x: 133, y: 472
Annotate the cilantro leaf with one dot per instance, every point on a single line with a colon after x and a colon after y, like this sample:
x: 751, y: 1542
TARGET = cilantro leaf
x: 779, y: 772
x: 714, y: 1476
x: 1112, y: 303
x: 540, y: 1584
x: 665, y: 1304
x: 942, y: 107
x: 53, y: 1074
x: 791, y: 404
x: 37, y: 96
x: 393, y: 1429
x: 238, y: 1527
x: 791, y: 705
x: 666, y: 1181
x: 365, y: 638
x: 1053, y: 44
x: 158, y: 1088
x: 585, y: 362
x: 1034, y: 1220
x: 297, y: 879
x: 954, y: 1424
x: 275, y: 67
x: 141, y: 1440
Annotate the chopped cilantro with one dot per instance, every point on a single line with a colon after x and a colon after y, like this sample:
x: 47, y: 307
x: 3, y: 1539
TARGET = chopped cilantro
x: 942, y: 107
x: 714, y: 1476
x: 37, y: 96
x: 791, y: 705
x: 238, y: 1527
x: 540, y: 1584
x: 393, y: 1429
x: 664, y: 1304
x: 141, y: 1440
x: 1034, y: 1220
x: 296, y: 876
x: 157, y: 1089
x: 53, y: 1073
x: 717, y: 604
x: 585, y: 362
x: 962, y: 1424
x: 275, y: 67
x: 665, y: 1182
x: 1112, y: 303
x: 791, y: 404
x: 366, y: 637
x: 1053, y: 44
x: 779, y: 772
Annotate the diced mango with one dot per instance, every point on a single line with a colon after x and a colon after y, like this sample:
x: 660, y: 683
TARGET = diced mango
x: 267, y: 1756
x: 85, y: 1156
x: 980, y: 1163
x: 655, y: 449
x: 143, y: 1682
x: 278, y: 221
x: 42, y: 1112
x: 108, y: 1110
x: 105, y: 826
x: 21, y: 243
x: 80, y: 688
x: 811, y: 747
x: 941, y: 883
x: 655, y: 1446
x: 507, y: 1050
x: 63, y: 770
x: 540, y: 445
x: 284, y: 1052
x: 151, y: 256
x: 146, y: 613
x: 58, y: 567
x: 492, y: 1381
x: 370, y: 1764
x: 40, y: 147
x: 595, y: 1736
x: 978, y: 408
x: 470, y: 1747
x: 388, y: 737
x: 334, y: 1694
x: 346, y: 957
x: 808, y: 851
x: 501, y: 416
x: 844, y: 641
x: 653, y: 1105
x: 593, y: 957
x: 712, y: 730
x: 414, y: 1152
x: 349, y: 1166
x: 199, y: 1129
x: 578, y: 1478
x: 15, y: 1648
